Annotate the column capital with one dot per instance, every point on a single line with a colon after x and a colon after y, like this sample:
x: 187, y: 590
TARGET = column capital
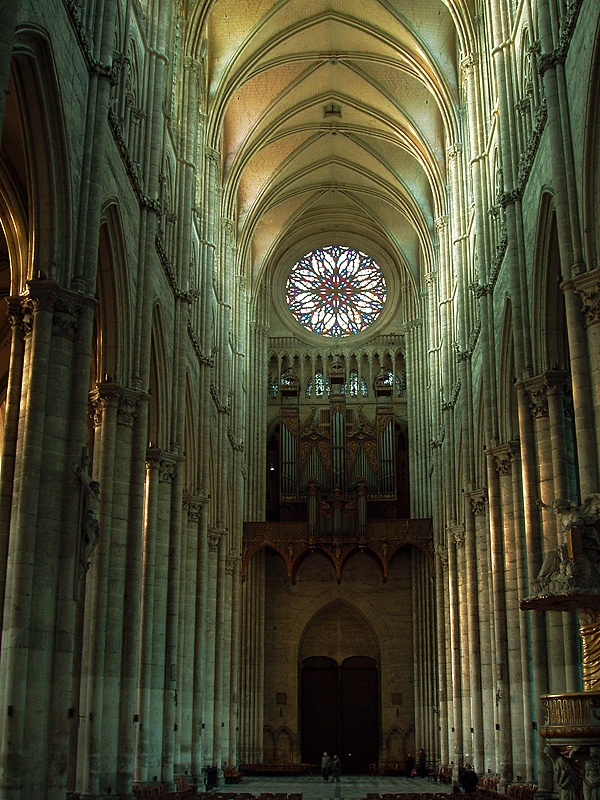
x: 215, y: 536
x: 194, y: 504
x: 479, y: 499
x: 458, y: 535
x: 454, y: 150
x: 105, y: 395
x: 587, y: 289
x: 468, y: 63
x: 442, y: 554
x: 536, y: 390
x: 231, y: 559
x: 504, y: 455
x: 549, y: 383
x: 164, y: 461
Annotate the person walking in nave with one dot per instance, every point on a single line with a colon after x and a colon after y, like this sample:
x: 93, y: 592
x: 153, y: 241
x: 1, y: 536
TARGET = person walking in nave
x: 336, y: 768
x: 325, y: 766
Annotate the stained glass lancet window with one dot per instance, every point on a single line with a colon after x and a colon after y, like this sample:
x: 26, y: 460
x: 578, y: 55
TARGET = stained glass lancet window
x: 320, y: 385
x: 336, y: 291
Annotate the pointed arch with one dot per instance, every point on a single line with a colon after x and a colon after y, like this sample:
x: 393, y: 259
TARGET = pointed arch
x: 35, y: 108
x: 158, y: 410
x: 551, y: 349
x: 112, y: 322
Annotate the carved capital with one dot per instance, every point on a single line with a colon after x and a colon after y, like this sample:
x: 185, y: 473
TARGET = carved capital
x: 412, y: 325
x: 442, y: 554
x: 537, y: 392
x: 14, y: 311
x: 468, y: 62
x: 215, y: 535
x: 193, y: 504
x: 504, y: 455
x: 163, y: 461
x: 65, y: 322
x: 231, y: 559
x: 213, y: 157
x: 458, y: 535
x: 479, y: 501
x: 191, y: 65
x: 105, y: 395
x: 587, y: 289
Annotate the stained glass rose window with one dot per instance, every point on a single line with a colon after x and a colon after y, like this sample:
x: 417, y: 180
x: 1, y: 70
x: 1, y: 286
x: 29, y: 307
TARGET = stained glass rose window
x: 336, y: 291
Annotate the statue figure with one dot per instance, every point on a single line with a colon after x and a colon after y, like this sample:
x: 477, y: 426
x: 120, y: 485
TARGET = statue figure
x: 558, y: 567
x: 90, y: 529
x: 590, y: 775
x: 565, y: 774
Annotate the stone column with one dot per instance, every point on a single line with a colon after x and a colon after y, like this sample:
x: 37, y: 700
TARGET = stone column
x: 192, y: 509
x: 456, y: 752
x: 208, y: 751
x: 467, y: 669
x: 222, y: 583
x: 105, y: 401
x: 478, y: 499
x: 587, y: 291
x: 233, y: 566
x: 133, y: 414
x: 200, y: 652
x: 498, y: 605
x: 440, y: 635
x: 537, y: 394
x: 11, y: 429
x: 533, y: 548
x: 556, y: 387
x: 173, y: 502
x: 140, y: 772
x: 476, y: 736
x: 505, y: 455
x: 20, y: 588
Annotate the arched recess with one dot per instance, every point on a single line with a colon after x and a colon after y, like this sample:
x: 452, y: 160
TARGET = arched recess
x: 190, y: 465
x: 339, y: 658
x: 550, y: 342
x: 111, y: 320
x: 34, y: 132
x: 34, y: 228
x: 591, y: 162
x: 508, y: 410
x: 158, y: 406
x: 480, y: 439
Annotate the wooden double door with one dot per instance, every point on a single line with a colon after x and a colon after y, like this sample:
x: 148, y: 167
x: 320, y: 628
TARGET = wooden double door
x: 340, y: 711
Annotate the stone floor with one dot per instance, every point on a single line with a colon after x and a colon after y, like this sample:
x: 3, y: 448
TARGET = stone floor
x: 350, y: 787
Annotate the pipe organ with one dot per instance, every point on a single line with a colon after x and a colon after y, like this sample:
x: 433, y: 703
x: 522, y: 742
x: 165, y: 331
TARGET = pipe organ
x: 335, y: 444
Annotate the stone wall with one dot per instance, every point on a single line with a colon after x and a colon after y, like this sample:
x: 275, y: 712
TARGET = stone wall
x: 361, y: 615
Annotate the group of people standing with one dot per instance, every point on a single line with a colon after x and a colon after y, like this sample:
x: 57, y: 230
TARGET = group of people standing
x: 331, y: 766
x: 416, y: 768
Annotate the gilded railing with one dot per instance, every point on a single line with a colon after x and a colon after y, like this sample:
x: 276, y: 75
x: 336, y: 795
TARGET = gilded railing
x: 571, y: 717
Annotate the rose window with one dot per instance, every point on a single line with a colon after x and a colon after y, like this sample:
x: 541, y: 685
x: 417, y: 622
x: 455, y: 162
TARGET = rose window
x: 336, y: 291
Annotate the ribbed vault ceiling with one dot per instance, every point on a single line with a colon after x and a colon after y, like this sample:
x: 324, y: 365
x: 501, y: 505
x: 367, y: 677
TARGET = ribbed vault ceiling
x: 332, y: 118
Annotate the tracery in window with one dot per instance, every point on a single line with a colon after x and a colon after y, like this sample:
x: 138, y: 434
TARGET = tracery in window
x: 321, y: 385
x: 336, y: 291
x: 273, y: 385
x: 356, y: 385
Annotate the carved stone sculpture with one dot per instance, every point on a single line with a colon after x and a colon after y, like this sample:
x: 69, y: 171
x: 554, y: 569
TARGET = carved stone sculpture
x: 90, y: 529
x: 565, y: 774
x: 573, y: 566
x: 590, y: 775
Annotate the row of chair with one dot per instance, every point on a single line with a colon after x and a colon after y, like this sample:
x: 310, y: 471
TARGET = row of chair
x: 407, y: 796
